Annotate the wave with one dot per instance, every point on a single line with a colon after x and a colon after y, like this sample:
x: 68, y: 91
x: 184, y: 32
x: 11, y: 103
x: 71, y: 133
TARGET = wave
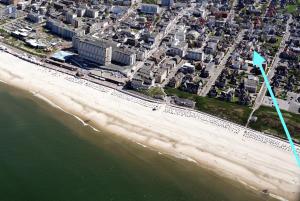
x: 3, y: 82
x: 38, y: 95
x: 141, y: 144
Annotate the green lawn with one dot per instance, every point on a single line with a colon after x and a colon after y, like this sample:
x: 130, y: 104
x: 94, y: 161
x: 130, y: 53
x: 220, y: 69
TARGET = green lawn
x: 268, y: 122
x: 153, y: 91
x: 277, y: 44
x: 292, y: 8
x: 3, y: 32
x: 226, y: 110
x: 21, y: 45
x: 273, y: 47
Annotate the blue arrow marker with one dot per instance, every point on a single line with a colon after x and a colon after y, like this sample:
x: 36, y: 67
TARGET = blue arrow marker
x: 258, y: 60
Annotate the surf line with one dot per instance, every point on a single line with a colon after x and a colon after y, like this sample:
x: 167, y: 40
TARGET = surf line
x: 258, y: 60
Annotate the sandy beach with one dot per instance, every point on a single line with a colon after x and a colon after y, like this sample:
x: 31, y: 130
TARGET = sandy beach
x: 241, y: 154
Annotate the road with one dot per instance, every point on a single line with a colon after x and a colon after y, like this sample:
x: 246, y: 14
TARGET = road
x: 232, y: 11
x: 271, y: 70
x: 221, y: 66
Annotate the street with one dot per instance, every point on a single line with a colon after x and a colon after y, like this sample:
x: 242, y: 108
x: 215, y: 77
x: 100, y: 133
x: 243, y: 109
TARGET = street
x: 262, y: 93
x: 221, y: 66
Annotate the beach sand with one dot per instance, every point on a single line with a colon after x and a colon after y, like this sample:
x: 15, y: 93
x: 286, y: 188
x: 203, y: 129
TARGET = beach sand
x: 229, y: 150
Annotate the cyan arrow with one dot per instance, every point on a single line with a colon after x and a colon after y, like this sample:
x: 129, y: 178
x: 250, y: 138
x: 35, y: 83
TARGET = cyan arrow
x: 258, y: 60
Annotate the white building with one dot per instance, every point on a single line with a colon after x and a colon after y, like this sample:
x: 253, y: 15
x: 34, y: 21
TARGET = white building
x: 251, y: 83
x: 180, y: 34
x: 92, y: 13
x: 178, y: 48
x: 123, y: 56
x: 103, y: 52
x: 97, y: 51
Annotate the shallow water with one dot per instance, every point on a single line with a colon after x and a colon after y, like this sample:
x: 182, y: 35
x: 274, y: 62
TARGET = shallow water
x: 46, y: 154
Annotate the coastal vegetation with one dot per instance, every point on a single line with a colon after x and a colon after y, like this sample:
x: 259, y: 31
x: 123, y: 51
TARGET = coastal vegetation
x: 226, y: 110
x: 268, y: 122
x: 22, y: 46
x: 267, y: 118
x: 7, y: 39
x: 153, y: 92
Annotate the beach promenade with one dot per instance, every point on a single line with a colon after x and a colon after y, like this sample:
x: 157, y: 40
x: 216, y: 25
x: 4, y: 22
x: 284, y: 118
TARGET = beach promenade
x: 250, y: 157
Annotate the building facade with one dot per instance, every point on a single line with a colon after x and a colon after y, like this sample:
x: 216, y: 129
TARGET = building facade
x: 35, y: 17
x: 70, y: 17
x: 167, y: 2
x: 123, y: 56
x: 195, y: 54
x: 63, y: 30
x: 91, y: 13
x: 150, y: 8
x: 97, y: 51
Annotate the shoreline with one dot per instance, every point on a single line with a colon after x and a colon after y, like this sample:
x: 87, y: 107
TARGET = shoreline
x: 231, y: 150
x: 49, y: 102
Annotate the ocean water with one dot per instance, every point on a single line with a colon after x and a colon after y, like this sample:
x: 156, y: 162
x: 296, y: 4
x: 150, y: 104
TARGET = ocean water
x: 47, y: 155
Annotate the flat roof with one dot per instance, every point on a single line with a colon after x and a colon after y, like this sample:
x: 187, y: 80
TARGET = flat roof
x: 94, y: 41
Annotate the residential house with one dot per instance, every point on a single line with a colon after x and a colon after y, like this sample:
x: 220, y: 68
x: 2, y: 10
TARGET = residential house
x: 251, y: 83
x: 161, y: 75
x: 184, y: 102
x: 191, y: 87
x: 194, y: 54
x: 176, y: 81
x: 210, y: 48
x: 178, y: 48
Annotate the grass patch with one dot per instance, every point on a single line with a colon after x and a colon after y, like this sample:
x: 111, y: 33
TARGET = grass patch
x: 225, y: 110
x: 268, y: 122
x: 3, y: 32
x: 273, y: 47
x: 21, y: 46
x: 291, y: 8
x: 277, y: 44
x: 150, y: 1
x: 153, y: 92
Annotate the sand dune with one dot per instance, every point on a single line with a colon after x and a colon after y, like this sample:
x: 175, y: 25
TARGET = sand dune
x: 226, y: 148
